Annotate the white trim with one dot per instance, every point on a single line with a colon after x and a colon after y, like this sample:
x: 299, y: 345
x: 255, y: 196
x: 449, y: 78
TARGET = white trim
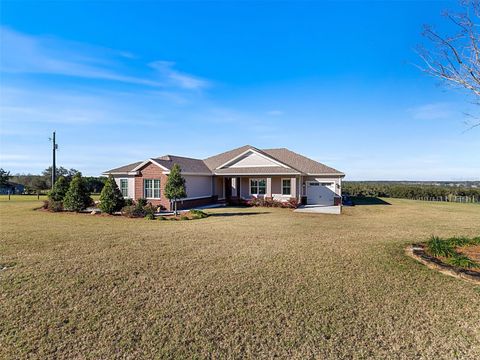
x: 256, y: 152
x: 253, y: 174
x: 327, y: 174
x: 190, y: 174
x: 258, y: 186
x: 281, y: 187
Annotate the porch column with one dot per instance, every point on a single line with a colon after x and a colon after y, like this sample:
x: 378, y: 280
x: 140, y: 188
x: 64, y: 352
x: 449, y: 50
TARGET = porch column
x: 269, y: 187
x: 293, y: 190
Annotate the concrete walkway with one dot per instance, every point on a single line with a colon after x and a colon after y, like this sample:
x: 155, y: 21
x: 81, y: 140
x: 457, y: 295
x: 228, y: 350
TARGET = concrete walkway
x: 319, y: 209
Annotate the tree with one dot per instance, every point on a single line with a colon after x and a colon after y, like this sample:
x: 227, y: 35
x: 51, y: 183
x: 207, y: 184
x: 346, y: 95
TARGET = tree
x: 59, y: 189
x: 60, y: 171
x: 455, y: 59
x: 175, y: 186
x: 4, y: 177
x: 111, y: 198
x: 77, y: 197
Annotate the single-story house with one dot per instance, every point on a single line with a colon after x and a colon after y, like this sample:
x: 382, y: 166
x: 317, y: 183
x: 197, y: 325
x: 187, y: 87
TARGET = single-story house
x: 11, y: 188
x: 240, y: 173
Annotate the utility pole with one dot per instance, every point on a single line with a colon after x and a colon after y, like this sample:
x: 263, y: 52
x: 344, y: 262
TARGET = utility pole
x: 54, y: 166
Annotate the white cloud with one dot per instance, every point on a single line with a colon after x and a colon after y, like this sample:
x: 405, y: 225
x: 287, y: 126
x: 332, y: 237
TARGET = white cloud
x: 22, y: 53
x: 176, y: 78
x: 433, y: 111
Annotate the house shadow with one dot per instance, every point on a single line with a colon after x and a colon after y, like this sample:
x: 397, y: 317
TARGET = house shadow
x: 359, y: 201
x: 227, y: 214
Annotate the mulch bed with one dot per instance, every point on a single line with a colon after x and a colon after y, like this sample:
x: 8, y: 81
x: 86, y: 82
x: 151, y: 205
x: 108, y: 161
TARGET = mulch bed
x: 417, y: 252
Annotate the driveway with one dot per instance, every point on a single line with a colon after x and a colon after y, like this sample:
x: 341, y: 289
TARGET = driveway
x: 319, y: 209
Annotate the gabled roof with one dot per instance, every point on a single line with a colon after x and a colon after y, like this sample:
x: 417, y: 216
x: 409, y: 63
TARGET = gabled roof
x: 124, y: 169
x: 300, y: 162
x: 215, y: 161
x: 188, y: 165
x: 294, y: 163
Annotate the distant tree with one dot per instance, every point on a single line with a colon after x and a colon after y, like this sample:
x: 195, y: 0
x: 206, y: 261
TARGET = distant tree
x: 111, y: 198
x: 95, y: 184
x: 59, y: 189
x: 4, y: 177
x: 60, y: 171
x: 455, y: 58
x: 38, y: 183
x: 77, y: 197
x: 175, y: 186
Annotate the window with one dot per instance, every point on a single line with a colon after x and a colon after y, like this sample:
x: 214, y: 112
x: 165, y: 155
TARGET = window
x: 124, y: 187
x: 286, y: 186
x: 151, y: 188
x: 258, y: 186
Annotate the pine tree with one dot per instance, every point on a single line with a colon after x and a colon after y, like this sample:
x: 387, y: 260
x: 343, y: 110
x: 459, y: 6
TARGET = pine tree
x: 59, y: 189
x: 175, y: 186
x: 77, y: 197
x: 111, y: 198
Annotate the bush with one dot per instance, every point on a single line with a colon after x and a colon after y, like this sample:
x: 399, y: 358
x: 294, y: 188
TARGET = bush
x: 59, y: 189
x: 129, y: 202
x: 292, y: 203
x: 142, y: 202
x: 111, y: 198
x: 198, y: 214
x: 139, y: 210
x: 446, y: 248
x: 184, y: 217
x: 55, y: 206
x: 149, y: 216
x: 77, y: 197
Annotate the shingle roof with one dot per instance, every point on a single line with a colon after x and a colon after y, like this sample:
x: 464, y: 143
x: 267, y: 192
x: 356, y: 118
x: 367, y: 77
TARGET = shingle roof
x: 124, y: 169
x: 297, y: 162
x: 188, y: 165
x: 300, y: 162
x: 215, y: 161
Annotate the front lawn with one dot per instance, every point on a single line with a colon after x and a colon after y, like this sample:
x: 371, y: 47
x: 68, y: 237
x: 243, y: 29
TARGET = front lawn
x: 244, y: 282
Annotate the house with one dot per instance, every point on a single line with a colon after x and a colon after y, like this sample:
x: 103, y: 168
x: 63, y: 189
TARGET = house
x: 11, y: 188
x: 240, y: 173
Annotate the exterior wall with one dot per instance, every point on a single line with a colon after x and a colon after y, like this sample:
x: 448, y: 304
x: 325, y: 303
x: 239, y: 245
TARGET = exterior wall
x: 131, y: 184
x: 198, y: 186
x: 218, y: 187
x: 337, y: 180
x: 151, y: 171
x: 252, y: 160
x: 275, y: 186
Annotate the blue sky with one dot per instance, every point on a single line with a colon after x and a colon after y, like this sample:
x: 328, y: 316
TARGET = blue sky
x: 125, y: 81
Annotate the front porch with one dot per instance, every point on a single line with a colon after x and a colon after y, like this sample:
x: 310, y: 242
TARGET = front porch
x: 245, y: 187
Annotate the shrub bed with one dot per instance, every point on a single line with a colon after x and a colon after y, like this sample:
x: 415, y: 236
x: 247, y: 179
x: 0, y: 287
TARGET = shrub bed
x: 292, y: 203
x: 448, y: 251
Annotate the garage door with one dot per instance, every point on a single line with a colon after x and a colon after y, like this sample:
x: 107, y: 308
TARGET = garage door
x: 320, y: 193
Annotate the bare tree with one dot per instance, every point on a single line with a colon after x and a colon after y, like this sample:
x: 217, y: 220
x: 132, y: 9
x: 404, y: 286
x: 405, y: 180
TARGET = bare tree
x: 455, y: 59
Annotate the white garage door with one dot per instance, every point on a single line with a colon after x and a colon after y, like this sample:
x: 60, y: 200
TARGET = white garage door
x: 320, y: 193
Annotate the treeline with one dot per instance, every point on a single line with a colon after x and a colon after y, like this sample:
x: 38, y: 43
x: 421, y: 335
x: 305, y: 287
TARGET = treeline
x: 404, y: 191
x: 42, y: 183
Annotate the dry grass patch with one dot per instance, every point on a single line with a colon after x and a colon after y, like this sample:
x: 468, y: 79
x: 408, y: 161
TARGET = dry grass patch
x: 253, y: 283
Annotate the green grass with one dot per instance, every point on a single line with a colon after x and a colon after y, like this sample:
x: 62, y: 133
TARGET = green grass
x: 242, y: 283
x: 447, y: 248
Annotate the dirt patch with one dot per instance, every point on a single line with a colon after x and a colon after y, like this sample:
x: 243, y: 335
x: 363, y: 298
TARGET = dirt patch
x: 472, y: 252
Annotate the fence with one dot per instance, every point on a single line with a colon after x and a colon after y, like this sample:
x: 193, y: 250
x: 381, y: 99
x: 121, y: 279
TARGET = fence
x: 451, y: 198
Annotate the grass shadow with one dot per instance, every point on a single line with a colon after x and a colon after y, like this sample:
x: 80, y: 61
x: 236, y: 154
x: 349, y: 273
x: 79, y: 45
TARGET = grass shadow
x: 226, y: 214
x: 358, y: 201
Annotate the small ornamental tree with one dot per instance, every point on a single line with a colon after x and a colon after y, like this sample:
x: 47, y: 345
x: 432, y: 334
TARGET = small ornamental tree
x: 59, y: 190
x: 111, y: 198
x: 77, y: 197
x: 175, y: 186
